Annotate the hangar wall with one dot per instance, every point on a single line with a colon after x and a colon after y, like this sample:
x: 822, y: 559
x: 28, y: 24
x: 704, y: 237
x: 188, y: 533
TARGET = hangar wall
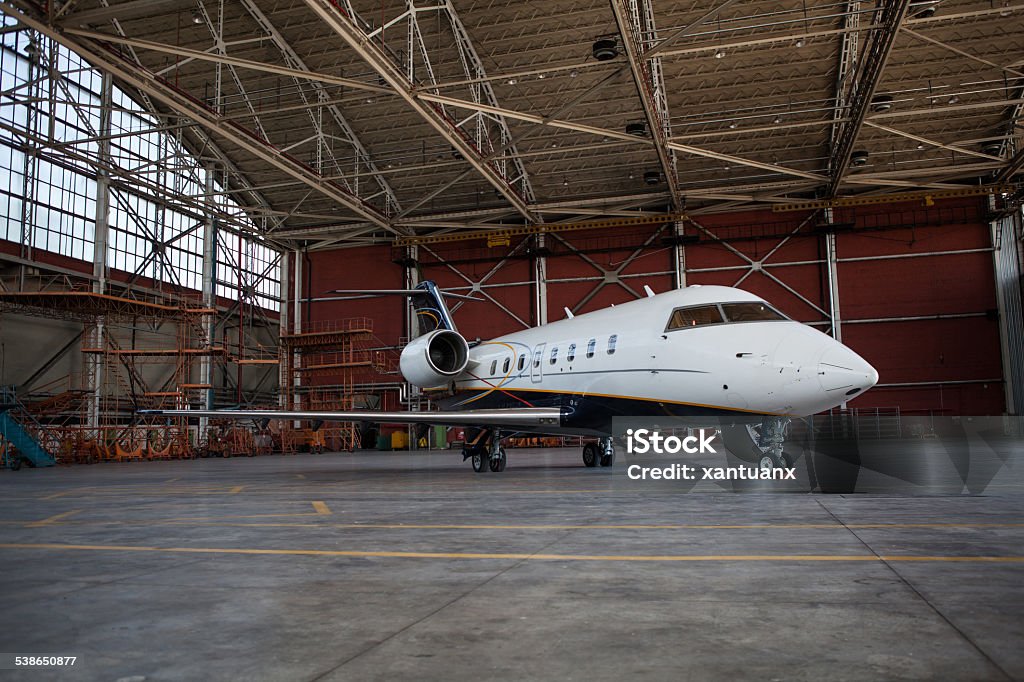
x: 911, y: 287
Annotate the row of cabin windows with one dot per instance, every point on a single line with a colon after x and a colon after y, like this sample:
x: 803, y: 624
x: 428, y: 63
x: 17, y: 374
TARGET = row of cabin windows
x: 570, y: 355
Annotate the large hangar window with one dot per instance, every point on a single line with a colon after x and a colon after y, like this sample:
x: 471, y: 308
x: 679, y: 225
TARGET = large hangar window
x: 158, y: 213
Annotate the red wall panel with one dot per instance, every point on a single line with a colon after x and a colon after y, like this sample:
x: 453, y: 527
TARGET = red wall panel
x: 363, y: 268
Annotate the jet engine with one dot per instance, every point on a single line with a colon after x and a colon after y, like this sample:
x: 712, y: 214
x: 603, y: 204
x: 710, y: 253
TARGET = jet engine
x: 431, y: 360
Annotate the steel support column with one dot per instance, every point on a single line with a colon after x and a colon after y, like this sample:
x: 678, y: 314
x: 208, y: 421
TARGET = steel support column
x: 540, y: 280
x: 209, y: 290
x: 679, y: 254
x: 1005, y: 235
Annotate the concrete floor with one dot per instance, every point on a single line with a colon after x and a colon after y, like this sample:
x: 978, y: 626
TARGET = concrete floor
x: 394, y: 566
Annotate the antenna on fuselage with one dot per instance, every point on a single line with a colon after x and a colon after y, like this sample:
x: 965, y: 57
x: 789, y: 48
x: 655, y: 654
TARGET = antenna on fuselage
x: 568, y: 313
x: 650, y: 291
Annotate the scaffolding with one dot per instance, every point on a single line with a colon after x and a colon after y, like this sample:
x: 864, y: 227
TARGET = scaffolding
x: 324, y: 365
x: 138, y: 353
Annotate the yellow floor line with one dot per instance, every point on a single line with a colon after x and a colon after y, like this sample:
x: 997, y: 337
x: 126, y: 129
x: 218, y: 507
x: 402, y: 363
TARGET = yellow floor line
x: 62, y: 494
x: 53, y: 519
x: 237, y: 489
x: 321, y: 508
x: 519, y: 556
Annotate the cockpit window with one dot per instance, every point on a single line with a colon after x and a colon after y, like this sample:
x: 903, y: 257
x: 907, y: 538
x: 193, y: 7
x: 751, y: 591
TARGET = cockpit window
x: 684, y: 318
x: 750, y: 312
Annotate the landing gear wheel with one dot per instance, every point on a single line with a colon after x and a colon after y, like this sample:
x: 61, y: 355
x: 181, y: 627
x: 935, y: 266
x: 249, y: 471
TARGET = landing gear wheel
x: 770, y: 461
x: 591, y: 455
x: 479, y: 460
x: 608, y: 460
x: 498, y: 464
x: 15, y: 463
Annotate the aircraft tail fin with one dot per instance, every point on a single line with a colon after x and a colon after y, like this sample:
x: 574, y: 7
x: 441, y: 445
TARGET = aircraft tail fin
x: 427, y: 300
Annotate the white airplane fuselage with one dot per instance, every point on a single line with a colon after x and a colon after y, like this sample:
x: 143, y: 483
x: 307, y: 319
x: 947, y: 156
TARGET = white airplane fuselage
x: 627, y: 361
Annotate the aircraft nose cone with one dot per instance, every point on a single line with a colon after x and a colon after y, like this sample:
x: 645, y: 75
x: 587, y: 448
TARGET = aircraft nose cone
x: 840, y: 370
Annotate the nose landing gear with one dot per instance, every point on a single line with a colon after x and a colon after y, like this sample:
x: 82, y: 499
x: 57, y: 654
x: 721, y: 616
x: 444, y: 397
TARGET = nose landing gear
x: 770, y: 440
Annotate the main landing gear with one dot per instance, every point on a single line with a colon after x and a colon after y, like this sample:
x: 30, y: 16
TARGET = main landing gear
x: 486, y: 454
x: 602, y: 453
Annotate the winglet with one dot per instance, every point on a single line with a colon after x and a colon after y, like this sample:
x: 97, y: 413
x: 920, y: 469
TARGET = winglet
x: 650, y: 292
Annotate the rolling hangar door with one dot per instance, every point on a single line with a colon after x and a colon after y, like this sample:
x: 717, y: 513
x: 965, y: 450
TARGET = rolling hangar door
x: 530, y: 280
x: 909, y: 286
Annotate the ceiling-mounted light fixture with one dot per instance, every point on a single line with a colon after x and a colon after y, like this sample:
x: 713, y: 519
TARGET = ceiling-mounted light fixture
x: 880, y: 103
x: 565, y: 182
x: 732, y: 126
x: 799, y: 42
x: 924, y: 9
x: 859, y: 157
x: 652, y: 177
x: 605, y: 49
x: 197, y: 18
x: 777, y: 119
x: 992, y: 147
x: 542, y: 75
x: 955, y: 99
x: 573, y: 73
x: 637, y: 128
x: 512, y: 81
x: 719, y: 53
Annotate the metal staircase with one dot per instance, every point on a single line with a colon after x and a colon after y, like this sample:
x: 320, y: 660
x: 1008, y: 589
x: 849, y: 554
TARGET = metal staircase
x: 13, y: 433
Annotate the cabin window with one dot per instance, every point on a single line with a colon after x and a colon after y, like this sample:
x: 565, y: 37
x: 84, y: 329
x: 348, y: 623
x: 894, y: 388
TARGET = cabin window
x: 536, y: 358
x: 554, y: 355
x: 522, y: 361
x: 612, y: 340
x: 591, y: 345
x: 494, y: 367
x: 684, y: 318
x: 571, y: 355
x: 751, y: 312
x: 504, y: 367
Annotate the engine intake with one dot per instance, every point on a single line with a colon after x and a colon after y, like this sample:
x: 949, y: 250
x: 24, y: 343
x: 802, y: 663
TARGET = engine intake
x: 429, y: 361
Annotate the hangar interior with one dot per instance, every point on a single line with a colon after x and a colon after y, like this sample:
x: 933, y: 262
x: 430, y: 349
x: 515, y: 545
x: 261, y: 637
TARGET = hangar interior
x: 188, y: 182
x: 238, y: 161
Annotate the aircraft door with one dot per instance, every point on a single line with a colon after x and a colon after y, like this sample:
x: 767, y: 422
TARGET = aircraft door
x: 537, y: 366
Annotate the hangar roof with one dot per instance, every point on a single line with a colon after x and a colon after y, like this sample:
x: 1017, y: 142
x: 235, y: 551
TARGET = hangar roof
x: 353, y: 121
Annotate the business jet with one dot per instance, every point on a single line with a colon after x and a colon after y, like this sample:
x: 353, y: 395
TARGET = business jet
x: 706, y: 353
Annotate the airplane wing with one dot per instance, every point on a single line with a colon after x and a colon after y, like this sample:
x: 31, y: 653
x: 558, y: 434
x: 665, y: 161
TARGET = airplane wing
x: 524, y: 418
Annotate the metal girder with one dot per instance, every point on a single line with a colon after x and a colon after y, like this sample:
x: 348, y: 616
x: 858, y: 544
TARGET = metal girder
x: 143, y: 80
x: 344, y: 25
x: 294, y: 61
x: 868, y: 74
x: 636, y: 26
x: 482, y: 91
